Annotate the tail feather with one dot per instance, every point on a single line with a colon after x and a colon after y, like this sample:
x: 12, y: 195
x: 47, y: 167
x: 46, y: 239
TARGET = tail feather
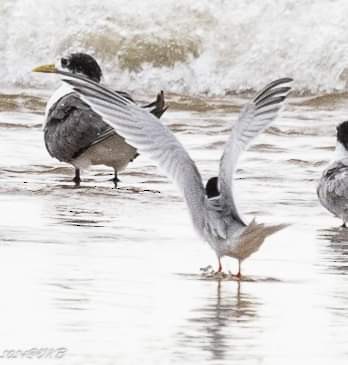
x: 254, y: 235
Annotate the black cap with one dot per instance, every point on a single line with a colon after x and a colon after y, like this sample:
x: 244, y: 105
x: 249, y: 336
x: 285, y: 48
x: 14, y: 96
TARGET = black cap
x: 84, y: 64
x: 211, y: 189
x: 342, y: 134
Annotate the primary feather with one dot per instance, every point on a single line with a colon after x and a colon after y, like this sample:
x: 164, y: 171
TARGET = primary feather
x: 254, y: 118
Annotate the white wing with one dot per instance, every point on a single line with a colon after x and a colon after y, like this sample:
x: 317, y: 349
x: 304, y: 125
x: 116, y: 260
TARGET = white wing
x: 144, y: 131
x: 254, y: 118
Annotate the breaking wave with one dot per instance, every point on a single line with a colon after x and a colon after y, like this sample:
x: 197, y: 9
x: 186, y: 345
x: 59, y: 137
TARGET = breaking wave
x: 183, y: 46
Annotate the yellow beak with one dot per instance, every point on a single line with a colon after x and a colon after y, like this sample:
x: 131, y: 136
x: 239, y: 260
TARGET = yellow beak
x: 46, y: 68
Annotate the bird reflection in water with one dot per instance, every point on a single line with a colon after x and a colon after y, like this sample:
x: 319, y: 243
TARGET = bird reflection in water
x: 335, y: 251
x: 213, y: 329
x: 334, y: 263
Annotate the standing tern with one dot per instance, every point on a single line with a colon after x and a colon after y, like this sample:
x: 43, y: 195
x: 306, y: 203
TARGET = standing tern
x: 73, y: 133
x: 332, y: 189
x: 212, y: 208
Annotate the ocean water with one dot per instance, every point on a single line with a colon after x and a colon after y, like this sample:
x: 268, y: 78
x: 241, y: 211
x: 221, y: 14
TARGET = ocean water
x: 183, y: 46
x: 113, y: 276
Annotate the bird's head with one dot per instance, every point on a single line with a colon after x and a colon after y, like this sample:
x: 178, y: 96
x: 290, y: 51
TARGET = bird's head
x: 341, y: 151
x: 212, y: 188
x: 342, y: 134
x: 77, y: 63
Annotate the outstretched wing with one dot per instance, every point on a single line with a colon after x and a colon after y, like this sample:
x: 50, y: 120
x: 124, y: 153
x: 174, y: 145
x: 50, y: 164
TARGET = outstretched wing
x: 157, y: 108
x: 254, y: 118
x: 144, y: 131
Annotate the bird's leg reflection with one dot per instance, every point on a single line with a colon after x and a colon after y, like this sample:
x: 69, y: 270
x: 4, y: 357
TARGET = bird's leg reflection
x: 219, y: 320
x: 335, y: 250
x: 115, y: 179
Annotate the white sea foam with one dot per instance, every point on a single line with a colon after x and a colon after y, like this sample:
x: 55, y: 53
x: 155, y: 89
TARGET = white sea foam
x: 184, y: 46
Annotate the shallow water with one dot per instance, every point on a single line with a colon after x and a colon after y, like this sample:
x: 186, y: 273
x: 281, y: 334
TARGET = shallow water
x: 114, y: 275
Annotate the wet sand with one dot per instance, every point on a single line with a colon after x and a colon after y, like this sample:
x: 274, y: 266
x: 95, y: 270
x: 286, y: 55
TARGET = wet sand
x: 114, y: 275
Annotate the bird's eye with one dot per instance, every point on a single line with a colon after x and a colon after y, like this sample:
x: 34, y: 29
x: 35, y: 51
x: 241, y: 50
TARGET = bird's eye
x: 64, y: 62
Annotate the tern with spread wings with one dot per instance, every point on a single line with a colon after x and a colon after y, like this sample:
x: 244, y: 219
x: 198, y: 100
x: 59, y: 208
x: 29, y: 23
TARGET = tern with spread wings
x: 212, y: 208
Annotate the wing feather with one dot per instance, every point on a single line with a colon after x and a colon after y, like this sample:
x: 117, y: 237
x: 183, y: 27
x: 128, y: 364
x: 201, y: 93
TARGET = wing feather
x: 144, y: 131
x: 254, y: 118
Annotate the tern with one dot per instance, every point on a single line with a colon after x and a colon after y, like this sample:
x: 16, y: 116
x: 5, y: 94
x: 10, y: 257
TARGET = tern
x: 332, y: 189
x: 73, y: 133
x: 212, y: 208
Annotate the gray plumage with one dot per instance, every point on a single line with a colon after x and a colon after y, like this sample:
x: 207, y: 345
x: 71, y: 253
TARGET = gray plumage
x: 333, y: 189
x: 72, y: 127
x: 216, y: 220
